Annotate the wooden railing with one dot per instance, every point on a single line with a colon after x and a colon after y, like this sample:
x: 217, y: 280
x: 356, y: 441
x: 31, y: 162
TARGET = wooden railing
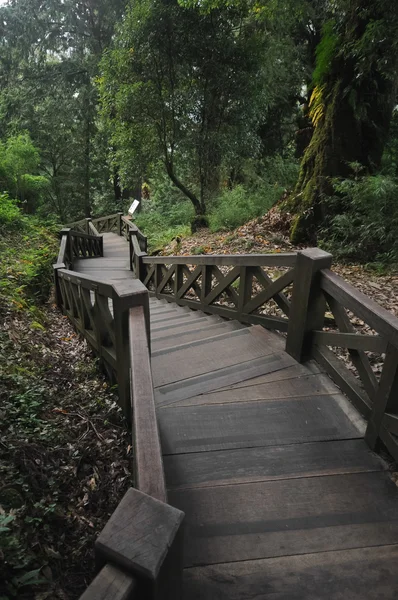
x: 139, y: 552
x: 232, y: 286
x: 115, y: 322
x: 295, y: 293
x: 318, y: 291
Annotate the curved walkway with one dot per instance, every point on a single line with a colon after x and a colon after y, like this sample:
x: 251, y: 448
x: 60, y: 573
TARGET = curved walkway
x: 283, y: 499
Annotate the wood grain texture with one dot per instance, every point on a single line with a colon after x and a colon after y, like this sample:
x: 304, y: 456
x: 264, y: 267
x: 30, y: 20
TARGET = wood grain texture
x: 138, y: 534
x: 251, y: 424
x: 359, y: 574
x: 290, y: 372
x: 250, y: 260
x: 205, y: 331
x: 247, y: 344
x: 380, y: 319
x: 184, y: 327
x: 280, y: 518
x: 147, y: 451
x: 248, y: 465
x: 298, y: 387
x: 112, y: 584
x: 219, y: 378
x: 346, y: 381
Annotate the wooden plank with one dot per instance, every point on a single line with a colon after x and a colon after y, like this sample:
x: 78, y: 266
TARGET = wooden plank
x: 221, y: 377
x: 138, y: 534
x: 346, y: 381
x: 187, y: 318
x: 172, y: 314
x: 380, y: 319
x: 287, y: 259
x: 289, y: 372
x: 252, y: 424
x: 248, y: 465
x: 230, y: 335
x: 224, y: 286
x: 280, y: 518
x: 358, y: 574
x: 273, y: 288
x: 209, y: 331
x: 147, y: 451
x: 358, y: 357
x: 311, y: 385
x: 112, y: 584
x: 307, y: 311
x: 185, y: 327
x: 386, y: 398
x: 372, y: 343
x: 232, y: 313
x: 245, y: 345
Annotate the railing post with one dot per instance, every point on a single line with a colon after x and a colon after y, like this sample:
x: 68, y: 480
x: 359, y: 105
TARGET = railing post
x: 308, y: 303
x: 121, y: 306
x: 144, y: 538
x: 122, y: 356
x: 120, y: 223
x: 88, y: 220
x: 386, y: 398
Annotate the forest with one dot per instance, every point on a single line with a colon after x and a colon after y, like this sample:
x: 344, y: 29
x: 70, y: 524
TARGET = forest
x: 241, y: 126
x: 208, y: 112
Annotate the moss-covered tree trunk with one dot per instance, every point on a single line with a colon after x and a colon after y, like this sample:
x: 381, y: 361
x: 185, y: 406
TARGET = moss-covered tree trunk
x: 351, y: 107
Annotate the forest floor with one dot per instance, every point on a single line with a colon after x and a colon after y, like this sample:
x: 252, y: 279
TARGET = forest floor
x: 64, y: 446
x: 64, y: 457
x: 269, y: 233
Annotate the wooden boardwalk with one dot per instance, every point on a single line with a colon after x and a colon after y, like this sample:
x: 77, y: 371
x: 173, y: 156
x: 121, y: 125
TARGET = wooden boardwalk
x: 282, y: 497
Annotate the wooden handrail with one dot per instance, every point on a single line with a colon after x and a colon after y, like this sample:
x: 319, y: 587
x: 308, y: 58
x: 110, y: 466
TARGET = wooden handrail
x: 112, y: 583
x: 227, y: 260
x: 380, y: 319
x: 92, y: 228
x: 147, y: 450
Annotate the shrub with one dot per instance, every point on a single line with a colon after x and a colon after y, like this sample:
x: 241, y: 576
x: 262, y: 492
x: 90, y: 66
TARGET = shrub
x: 365, y: 226
x: 234, y: 207
x: 10, y: 215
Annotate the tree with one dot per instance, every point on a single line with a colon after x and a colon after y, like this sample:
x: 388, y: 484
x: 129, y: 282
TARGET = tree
x: 19, y: 166
x: 49, y: 53
x: 175, y: 87
x: 354, y: 93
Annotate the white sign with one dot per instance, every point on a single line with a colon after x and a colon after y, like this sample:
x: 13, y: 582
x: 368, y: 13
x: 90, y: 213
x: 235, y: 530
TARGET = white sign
x: 133, y: 207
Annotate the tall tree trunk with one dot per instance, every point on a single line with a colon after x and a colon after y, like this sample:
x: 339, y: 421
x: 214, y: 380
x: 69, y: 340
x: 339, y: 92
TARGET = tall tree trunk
x: 87, y: 143
x: 351, y: 110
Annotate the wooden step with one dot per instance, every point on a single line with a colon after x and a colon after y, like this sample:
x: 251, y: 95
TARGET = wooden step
x: 168, y: 323
x: 251, y: 424
x: 250, y: 465
x: 191, y: 335
x: 179, y: 364
x: 358, y: 574
x: 295, y: 516
x: 219, y: 378
x: 186, y: 326
x: 210, y: 338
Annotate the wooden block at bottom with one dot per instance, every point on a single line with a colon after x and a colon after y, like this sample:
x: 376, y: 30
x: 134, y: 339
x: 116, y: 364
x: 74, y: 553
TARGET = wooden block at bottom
x: 139, y: 534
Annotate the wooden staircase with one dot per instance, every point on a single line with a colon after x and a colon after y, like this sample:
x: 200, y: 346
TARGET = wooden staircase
x: 265, y: 455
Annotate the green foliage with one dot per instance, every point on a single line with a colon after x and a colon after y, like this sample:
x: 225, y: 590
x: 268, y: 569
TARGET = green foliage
x: 365, y: 226
x: 27, y: 251
x: 19, y: 164
x: 235, y: 207
x: 325, y: 52
x: 254, y: 198
x: 10, y: 214
x: 161, y: 228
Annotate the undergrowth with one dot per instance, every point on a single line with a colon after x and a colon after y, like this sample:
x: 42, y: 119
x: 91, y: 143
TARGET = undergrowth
x: 63, y: 461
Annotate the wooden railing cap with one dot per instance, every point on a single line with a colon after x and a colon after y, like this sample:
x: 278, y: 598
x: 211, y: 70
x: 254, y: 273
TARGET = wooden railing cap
x: 139, y: 534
